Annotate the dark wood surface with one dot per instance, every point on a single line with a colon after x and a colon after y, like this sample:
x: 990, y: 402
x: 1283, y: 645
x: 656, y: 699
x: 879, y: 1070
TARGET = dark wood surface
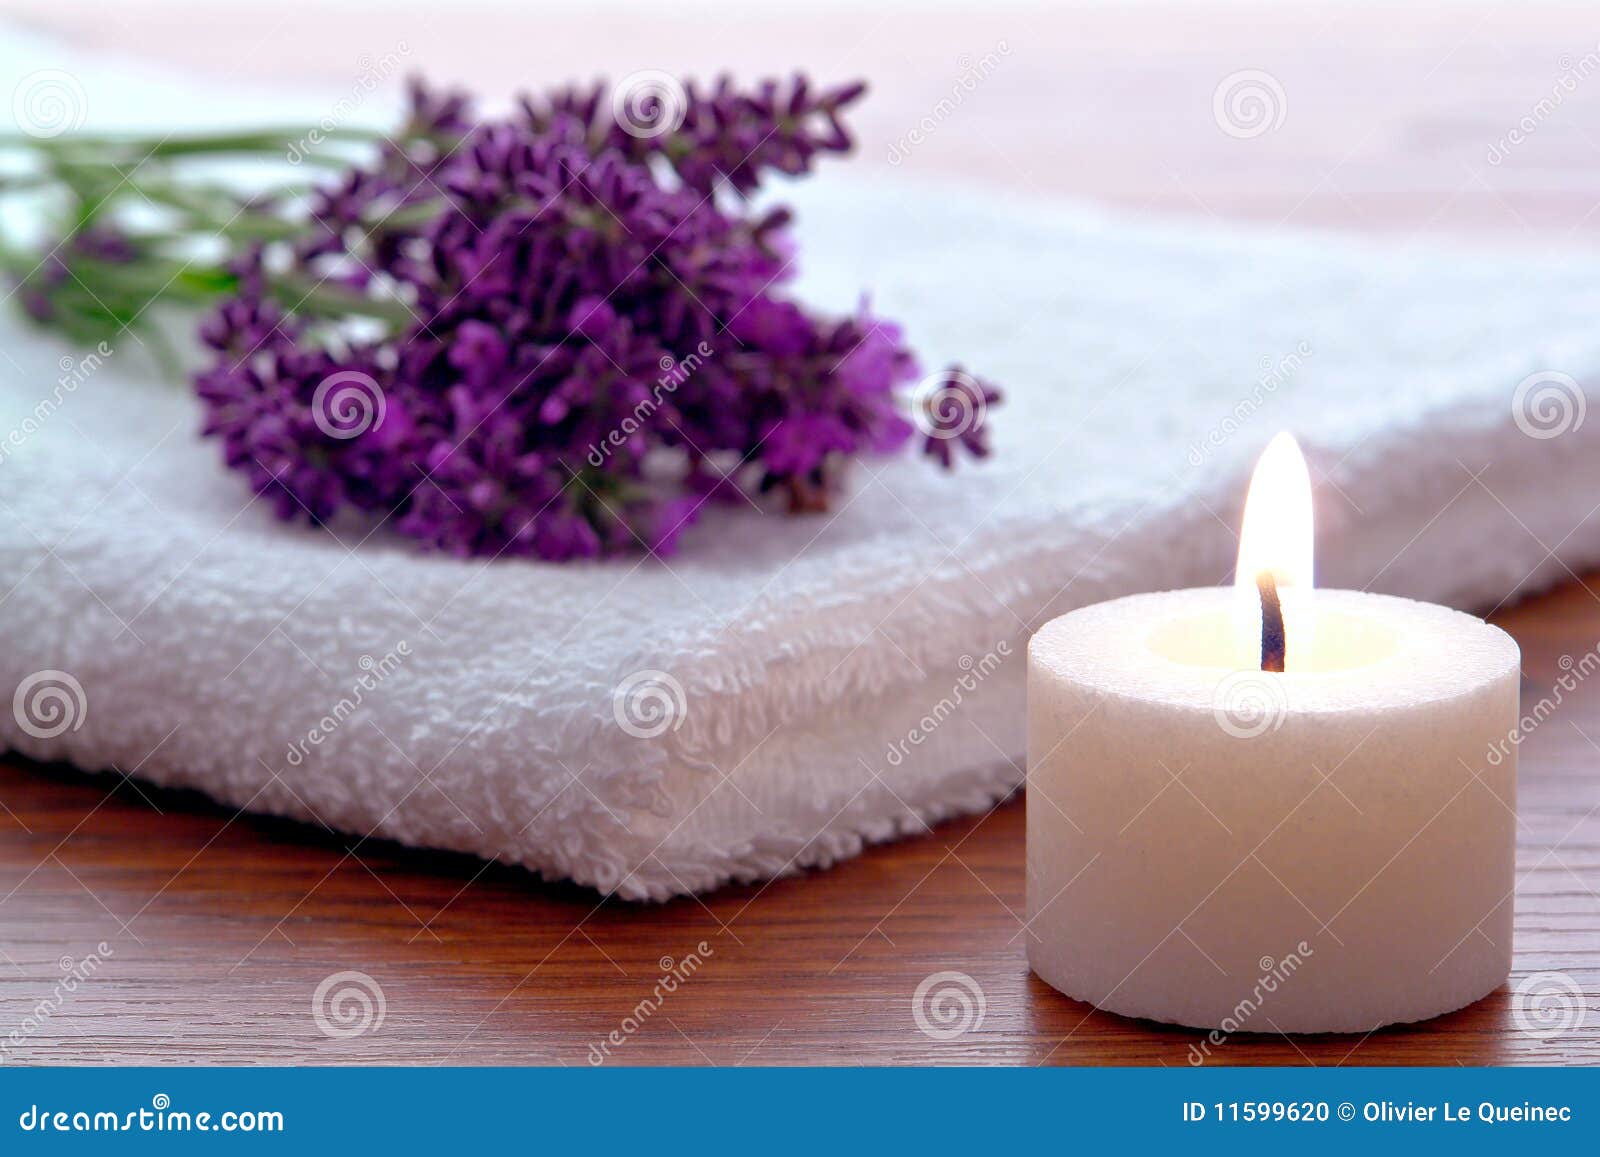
x: 221, y: 927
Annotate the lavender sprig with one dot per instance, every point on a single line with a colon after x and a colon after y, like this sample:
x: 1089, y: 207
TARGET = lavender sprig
x: 725, y: 134
x: 551, y: 334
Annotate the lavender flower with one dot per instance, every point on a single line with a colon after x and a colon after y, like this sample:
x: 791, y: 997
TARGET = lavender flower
x: 725, y: 134
x: 953, y: 406
x: 549, y: 334
x: 56, y: 288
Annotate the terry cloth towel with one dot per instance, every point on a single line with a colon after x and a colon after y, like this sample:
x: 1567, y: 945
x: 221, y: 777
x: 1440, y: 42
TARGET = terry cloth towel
x: 788, y: 690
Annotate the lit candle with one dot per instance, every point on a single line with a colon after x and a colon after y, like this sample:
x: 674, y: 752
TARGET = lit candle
x: 1269, y: 808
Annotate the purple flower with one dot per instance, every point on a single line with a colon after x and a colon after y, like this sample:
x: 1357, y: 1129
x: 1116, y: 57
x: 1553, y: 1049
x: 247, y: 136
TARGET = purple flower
x: 774, y: 327
x: 725, y: 134
x: 59, y: 283
x: 952, y: 413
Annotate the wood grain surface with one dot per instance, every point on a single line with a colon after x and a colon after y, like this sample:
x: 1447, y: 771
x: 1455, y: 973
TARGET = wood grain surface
x: 219, y: 928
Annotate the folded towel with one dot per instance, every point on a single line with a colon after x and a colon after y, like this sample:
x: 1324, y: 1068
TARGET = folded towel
x: 789, y: 689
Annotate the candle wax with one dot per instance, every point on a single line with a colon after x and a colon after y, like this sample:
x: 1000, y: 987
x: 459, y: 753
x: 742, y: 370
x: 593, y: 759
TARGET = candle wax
x: 1324, y: 850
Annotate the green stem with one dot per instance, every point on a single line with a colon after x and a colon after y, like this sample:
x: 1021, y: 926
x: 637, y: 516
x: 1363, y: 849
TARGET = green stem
x: 267, y: 141
x: 98, y: 174
x: 336, y: 301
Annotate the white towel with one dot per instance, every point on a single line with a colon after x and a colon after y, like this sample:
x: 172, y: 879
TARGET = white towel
x: 830, y: 680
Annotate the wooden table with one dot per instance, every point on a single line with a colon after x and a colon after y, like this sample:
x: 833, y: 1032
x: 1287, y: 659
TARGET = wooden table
x: 218, y: 928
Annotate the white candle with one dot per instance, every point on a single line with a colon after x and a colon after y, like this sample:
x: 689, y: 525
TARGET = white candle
x: 1328, y: 848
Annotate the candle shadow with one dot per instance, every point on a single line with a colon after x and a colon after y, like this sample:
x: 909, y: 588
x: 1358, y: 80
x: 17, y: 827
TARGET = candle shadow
x: 1072, y: 1032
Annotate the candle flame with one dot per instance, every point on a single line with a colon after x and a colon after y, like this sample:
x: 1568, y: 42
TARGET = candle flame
x: 1276, y: 537
x: 1276, y: 543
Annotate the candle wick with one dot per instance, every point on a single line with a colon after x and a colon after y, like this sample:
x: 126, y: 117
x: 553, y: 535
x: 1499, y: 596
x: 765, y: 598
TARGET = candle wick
x: 1272, y: 640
